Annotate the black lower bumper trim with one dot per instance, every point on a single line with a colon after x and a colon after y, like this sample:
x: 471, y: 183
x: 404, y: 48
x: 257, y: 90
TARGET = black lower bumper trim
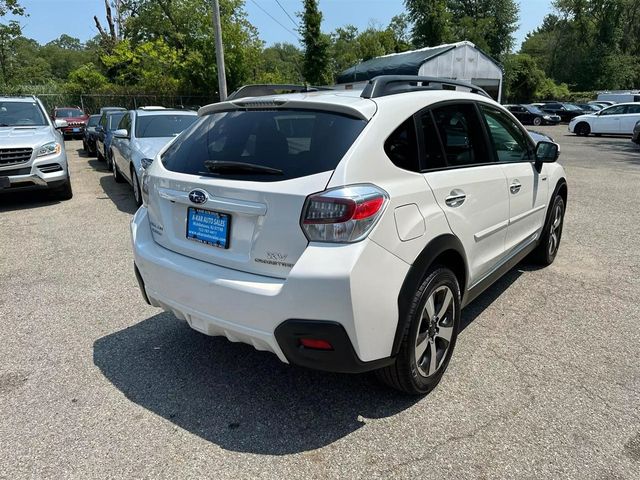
x: 342, y: 358
x: 141, y: 284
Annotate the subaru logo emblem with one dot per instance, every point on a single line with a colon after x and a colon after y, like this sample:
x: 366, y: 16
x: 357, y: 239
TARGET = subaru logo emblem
x: 198, y: 196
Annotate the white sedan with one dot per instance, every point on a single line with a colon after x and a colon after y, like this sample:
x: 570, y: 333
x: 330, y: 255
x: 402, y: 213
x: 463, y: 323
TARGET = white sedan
x: 619, y: 119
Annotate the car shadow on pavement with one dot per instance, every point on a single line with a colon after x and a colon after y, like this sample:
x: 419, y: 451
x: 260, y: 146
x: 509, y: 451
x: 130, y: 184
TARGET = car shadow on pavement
x: 24, y: 199
x: 490, y: 295
x: 235, y: 396
x: 120, y: 194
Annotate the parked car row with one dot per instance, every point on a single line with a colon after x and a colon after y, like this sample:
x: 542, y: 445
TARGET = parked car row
x: 129, y: 140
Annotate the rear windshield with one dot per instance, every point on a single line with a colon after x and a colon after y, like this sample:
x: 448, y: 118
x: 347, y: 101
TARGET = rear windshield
x: 297, y: 142
x: 148, y: 126
x: 68, y: 113
x: 21, y: 114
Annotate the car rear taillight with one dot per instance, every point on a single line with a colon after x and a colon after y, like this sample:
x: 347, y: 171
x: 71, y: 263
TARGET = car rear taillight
x: 343, y: 215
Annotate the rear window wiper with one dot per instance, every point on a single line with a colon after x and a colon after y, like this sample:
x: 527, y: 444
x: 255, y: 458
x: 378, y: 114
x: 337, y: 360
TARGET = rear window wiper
x: 240, y: 167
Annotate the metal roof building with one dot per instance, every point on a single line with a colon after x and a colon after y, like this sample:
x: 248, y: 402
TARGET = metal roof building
x: 459, y: 61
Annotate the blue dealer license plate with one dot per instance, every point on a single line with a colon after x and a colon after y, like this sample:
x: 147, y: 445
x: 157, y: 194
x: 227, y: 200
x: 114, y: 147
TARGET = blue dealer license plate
x: 208, y: 227
x: 75, y: 130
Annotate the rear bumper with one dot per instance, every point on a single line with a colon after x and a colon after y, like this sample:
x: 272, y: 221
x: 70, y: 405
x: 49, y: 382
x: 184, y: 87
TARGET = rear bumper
x: 352, y: 289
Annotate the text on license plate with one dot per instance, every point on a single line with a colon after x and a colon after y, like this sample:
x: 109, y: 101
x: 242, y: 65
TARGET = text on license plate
x: 208, y: 227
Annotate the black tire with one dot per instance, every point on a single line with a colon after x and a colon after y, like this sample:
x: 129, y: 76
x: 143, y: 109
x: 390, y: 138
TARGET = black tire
x: 582, y: 129
x: 406, y: 373
x: 545, y: 253
x: 65, y: 192
x: 137, y: 193
x: 537, y: 121
x: 99, y: 155
x: 84, y: 147
x: 117, y: 176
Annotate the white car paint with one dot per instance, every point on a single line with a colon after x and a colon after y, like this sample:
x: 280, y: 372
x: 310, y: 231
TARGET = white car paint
x: 229, y: 293
x: 618, y: 119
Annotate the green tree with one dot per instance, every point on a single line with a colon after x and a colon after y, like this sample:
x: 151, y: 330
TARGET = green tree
x: 280, y: 63
x: 316, y: 45
x: 525, y: 81
x: 431, y: 22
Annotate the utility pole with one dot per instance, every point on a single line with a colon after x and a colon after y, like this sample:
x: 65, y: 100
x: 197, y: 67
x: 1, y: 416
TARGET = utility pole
x: 222, y: 77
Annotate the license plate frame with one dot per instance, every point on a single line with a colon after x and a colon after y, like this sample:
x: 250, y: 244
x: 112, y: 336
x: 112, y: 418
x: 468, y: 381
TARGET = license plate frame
x: 207, y: 234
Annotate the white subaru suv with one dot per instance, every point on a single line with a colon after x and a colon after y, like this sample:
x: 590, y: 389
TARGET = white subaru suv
x: 346, y: 230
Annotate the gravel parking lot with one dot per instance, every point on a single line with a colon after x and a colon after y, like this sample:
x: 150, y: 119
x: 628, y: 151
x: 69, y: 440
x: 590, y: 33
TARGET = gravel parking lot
x: 544, y: 383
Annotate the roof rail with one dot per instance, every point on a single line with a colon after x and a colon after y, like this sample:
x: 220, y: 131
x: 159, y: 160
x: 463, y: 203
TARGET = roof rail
x: 261, y: 90
x: 384, y: 85
x: 16, y: 96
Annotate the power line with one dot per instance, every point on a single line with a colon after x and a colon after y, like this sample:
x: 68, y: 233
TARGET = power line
x: 274, y: 19
x: 287, y: 14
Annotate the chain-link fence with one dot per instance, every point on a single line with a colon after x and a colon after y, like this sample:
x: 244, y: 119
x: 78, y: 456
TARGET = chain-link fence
x: 91, y: 103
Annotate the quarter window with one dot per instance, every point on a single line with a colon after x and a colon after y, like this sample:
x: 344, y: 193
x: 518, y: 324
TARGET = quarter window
x: 635, y: 109
x: 402, y: 148
x: 509, y: 143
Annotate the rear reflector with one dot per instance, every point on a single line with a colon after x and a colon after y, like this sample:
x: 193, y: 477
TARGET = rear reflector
x: 315, y: 344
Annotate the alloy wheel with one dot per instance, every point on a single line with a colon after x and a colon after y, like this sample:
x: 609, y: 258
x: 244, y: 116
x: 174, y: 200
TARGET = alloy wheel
x: 554, y: 234
x: 435, y: 331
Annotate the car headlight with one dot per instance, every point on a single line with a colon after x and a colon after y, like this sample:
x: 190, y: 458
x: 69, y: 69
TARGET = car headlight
x: 547, y: 117
x: 52, y: 148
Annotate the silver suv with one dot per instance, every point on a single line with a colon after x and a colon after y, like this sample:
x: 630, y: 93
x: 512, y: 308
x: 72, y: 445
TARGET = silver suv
x: 32, y: 153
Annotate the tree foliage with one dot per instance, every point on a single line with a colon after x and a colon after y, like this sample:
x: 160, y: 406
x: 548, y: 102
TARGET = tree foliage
x: 589, y: 44
x: 490, y: 24
x: 315, y: 67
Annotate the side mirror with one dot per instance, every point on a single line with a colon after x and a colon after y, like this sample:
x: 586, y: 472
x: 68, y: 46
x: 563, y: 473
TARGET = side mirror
x: 99, y: 128
x: 546, y: 152
x: 146, y: 162
x: 61, y: 123
x: 121, y: 133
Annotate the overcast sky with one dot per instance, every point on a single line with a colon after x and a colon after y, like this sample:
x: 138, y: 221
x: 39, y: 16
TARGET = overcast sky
x: 48, y: 19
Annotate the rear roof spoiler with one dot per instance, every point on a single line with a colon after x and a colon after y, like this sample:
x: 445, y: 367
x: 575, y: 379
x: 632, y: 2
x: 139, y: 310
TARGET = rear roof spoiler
x: 264, y: 89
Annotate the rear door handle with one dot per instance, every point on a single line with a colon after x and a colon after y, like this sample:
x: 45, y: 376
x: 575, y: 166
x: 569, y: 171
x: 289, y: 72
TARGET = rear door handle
x: 515, y: 187
x: 455, y: 198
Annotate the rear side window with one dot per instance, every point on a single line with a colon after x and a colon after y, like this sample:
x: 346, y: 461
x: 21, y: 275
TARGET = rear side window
x: 402, y: 148
x: 93, y: 120
x: 635, y: 109
x: 461, y: 134
x: 296, y: 142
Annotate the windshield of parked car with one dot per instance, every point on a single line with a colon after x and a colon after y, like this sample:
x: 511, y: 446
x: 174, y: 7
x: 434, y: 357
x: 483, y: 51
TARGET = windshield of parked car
x: 93, y: 120
x: 568, y: 106
x: 113, y: 120
x: 251, y: 145
x: 153, y: 126
x: 16, y: 114
x: 68, y: 113
x: 534, y: 109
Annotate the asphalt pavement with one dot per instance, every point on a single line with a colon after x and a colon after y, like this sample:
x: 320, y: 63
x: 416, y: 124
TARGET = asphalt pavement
x: 544, y: 382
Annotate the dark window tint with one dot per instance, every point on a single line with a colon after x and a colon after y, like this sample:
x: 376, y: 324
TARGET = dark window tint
x: 433, y: 153
x: 21, y: 114
x: 93, y: 120
x: 297, y: 142
x: 162, y: 125
x: 113, y: 119
x: 508, y: 140
x: 68, y: 113
x: 461, y: 134
x: 633, y: 109
x: 402, y: 148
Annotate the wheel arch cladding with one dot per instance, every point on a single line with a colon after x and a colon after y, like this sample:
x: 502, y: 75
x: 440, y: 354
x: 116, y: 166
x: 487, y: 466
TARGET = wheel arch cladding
x: 445, y: 250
